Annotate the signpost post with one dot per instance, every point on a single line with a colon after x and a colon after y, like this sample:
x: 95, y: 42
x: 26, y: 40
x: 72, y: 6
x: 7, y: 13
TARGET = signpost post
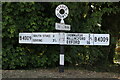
x: 61, y: 26
x: 62, y: 38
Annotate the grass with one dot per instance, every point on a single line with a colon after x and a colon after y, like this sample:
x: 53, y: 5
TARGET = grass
x: 115, y: 68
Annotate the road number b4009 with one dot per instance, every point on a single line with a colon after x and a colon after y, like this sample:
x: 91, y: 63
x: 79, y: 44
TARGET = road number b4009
x: 25, y: 37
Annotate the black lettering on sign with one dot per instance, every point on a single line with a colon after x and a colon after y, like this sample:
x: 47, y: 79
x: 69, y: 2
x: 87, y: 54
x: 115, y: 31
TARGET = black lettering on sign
x: 54, y: 40
x: 73, y: 39
x: 95, y: 39
x: 73, y: 42
x: 58, y: 9
x: 67, y: 42
x: 106, y: 39
x: 70, y: 41
x: 77, y: 42
x: 37, y: 40
x: 101, y: 39
x: 39, y: 35
x: 88, y: 42
x: 34, y: 35
x: 40, y: 40
x: 82, y: 38
x: 59, y: 15
x: 20, y: 37
x: 46, y: 35
x: 25, y: 37
x: 67, y: 27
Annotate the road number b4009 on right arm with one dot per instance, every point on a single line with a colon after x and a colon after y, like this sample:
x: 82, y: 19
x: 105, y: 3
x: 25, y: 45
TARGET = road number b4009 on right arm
x: 101, y: 39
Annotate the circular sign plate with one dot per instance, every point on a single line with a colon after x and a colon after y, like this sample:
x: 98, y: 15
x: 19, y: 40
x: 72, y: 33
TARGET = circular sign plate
x: 65, y: 11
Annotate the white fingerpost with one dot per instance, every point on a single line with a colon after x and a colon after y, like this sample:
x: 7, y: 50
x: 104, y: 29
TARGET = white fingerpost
x: 61, y: 26
x: 62, y: 38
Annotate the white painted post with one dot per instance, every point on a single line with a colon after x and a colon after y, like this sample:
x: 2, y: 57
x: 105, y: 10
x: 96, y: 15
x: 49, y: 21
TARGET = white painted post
x: 61, y: 16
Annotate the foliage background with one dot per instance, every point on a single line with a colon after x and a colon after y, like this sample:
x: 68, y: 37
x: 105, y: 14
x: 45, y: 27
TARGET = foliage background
x: 40, y: 17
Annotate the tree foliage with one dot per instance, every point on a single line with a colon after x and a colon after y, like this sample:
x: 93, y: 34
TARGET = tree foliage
x: 40, y: 17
